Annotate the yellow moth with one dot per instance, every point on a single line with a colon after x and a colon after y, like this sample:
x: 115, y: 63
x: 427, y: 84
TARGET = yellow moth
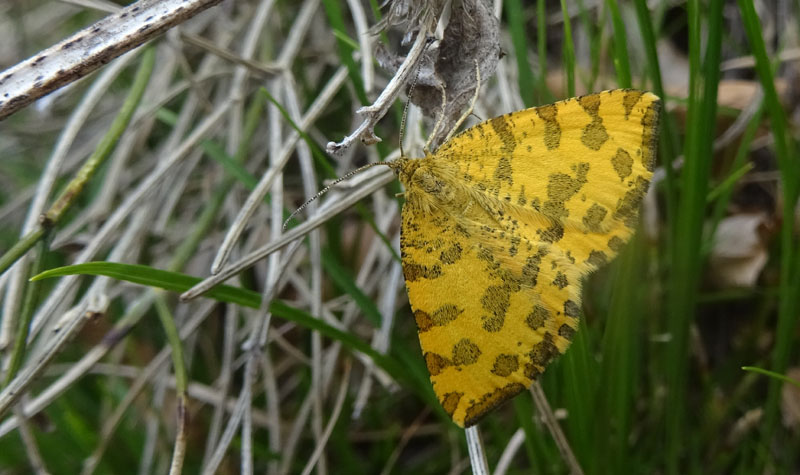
x: 500, y: 225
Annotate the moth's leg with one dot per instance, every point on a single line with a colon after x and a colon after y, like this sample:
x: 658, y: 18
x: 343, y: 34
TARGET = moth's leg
x: 468, y: 112
x: 438, y: 124
x: 428, y: 41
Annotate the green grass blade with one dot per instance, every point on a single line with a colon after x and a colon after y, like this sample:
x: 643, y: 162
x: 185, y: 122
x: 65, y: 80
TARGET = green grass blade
x: 74, y: 188
x: 786, y: 152
x: 591, y: 29
x: 683, y: 280
x: 177, y: 282
x: 580, y: 386
x: 516, y: 25
x: 569, y: 51
x: 772, y: 374
x: 621, y: 62
x: 30, y: 299
x: 167, y: 320
x: 669, y: 140
x: 216, y: 151
x: 333, y: 10
x: 541, y: 47
x: 109, y: 140
x: 621, y: 357
x: 726, y: 187
x: 316, y: 151
x: 721, y: 195
x: 342, y: 278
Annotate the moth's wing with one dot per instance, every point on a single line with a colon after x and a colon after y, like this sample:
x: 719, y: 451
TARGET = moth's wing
x: 580, y: 166
x: 486, y: 329
x: 496, y: 291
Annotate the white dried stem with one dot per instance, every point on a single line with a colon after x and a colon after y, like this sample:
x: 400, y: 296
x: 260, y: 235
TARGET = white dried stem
x: 512, y: 447
x: 550, y: 421
x: 91, y: 48
x: 477, y: 456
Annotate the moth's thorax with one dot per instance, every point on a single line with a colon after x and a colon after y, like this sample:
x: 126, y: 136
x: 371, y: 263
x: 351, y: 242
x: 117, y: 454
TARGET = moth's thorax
x: 429, y: 181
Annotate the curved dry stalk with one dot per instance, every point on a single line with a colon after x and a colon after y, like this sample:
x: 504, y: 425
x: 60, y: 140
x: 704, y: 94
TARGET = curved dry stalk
x: 407, y: 435
x: 337, y: 410
x: 504, y: 462
x: 540, y: 400
x: 29, y: 442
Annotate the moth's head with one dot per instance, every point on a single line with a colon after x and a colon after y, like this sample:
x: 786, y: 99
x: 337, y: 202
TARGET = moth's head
x: 405, y: 168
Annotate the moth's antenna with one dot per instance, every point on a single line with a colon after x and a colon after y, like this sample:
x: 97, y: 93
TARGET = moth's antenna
x: 471, y: 105
x: 331, y: 185
x: 408, y: 102
x: 405, y: 112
